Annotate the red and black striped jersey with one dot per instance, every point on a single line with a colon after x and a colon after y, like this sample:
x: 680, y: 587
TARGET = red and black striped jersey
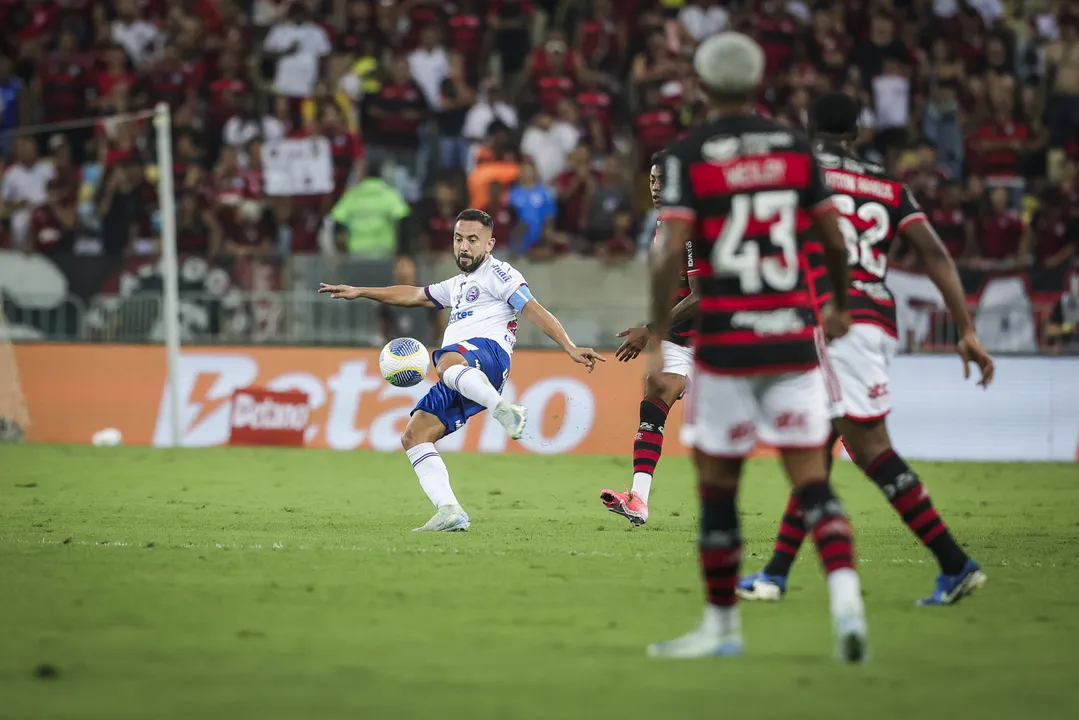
x: 682, y: 333
x: 875, y: 208
x: 750, y: 187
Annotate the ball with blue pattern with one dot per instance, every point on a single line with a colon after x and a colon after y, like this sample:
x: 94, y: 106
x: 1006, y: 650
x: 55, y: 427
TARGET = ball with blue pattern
x: 404, y: 362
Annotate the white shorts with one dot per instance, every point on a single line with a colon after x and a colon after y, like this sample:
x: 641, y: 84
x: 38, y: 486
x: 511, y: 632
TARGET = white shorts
x: 727, y: 415
x: 860, y: 361
x: 677, y: 360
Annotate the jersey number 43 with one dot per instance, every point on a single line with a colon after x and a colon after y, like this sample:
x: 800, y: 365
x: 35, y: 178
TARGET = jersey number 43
x: 731, y: 256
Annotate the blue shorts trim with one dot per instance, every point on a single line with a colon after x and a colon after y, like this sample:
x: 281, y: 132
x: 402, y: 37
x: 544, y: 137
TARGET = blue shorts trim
x: 451, y: 407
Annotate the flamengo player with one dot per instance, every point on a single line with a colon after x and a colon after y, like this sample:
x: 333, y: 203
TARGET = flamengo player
x: 747, y: 191
x: 660, y: 391
x: 877, y: 210
x: 474, y: 361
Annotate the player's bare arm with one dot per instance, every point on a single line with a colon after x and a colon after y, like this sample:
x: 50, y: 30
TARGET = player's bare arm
x: 941, y: 270
x: 666, y: 261
x: 548, y: 323
x: 836, y: 319
x: 400, y: 295
x: 636, y: 339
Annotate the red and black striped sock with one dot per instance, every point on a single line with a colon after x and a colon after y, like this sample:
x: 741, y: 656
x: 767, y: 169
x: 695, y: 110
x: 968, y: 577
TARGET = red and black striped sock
x: 648, y: 444
x: 792, y: 531
x: 719, y: 544
x: 829, y: 525
x: 911, y: 500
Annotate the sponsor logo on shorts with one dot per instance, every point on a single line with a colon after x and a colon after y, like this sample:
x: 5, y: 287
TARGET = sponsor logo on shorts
x: 790, y: 420
x: 878, y: 391
x: 742, y: 431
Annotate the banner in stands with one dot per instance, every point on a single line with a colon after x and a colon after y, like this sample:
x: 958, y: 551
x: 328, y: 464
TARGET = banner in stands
x: 298, y: 167
x: 1030, y: 413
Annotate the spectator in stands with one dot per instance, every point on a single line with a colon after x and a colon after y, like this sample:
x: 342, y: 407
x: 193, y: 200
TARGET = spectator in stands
x: 248, y: 124
x: 536, y: 207
x: 197, y: 229
x: 925, y: 175
x: 23, y: 187
x: 495, y: 161
x: 55, y: 226
x: 653, y: 65
x: 140, y: 39
x: 891, y: 99
x: 508, y: 228
x: 429, y: 64
x: 297, y: 45
x: 952, y: 223
x: 251, y: 230
x: 370, y: 214
x: 437, y: 218
x: 619, y: 244
x: 603, y: 40
x: 393, y: 134
x: 1062, y: 330
x: 999, y: 232
x: 1050, y: 238
x: 610, y: 197
x: 548, y: 142
x: 121, y: 207
x: 509, y: 20
x: 656, y: 127
x: 703, y: 18
x: 595, y: 105
x: 456, y: 96
x: 552, y: 71
x: 1062, y: 71
x: 575, y: 187
x: 491, y: 106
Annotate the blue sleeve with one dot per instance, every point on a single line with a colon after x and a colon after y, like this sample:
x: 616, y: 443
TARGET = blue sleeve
x: 520, y: 298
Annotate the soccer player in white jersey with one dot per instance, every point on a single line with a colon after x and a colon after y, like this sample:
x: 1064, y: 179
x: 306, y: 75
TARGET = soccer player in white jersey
x: 474, y: 360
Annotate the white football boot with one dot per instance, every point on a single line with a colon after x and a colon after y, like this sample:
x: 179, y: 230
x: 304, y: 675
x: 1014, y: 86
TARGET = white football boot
x: 716, y: 636
x: 512, y: 417
x: 449, y: 518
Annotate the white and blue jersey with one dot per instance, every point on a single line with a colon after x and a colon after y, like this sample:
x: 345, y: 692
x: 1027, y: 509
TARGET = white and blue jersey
x: 482, y: 327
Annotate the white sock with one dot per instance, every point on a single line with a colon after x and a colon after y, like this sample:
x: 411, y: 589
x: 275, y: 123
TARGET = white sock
x: 722, y: 620
x: 845, y: 592
x: 473, y: 384
x: 642, y: 485
x: 433, y: 475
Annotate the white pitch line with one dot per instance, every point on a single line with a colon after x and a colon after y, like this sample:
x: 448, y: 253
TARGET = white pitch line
x: 446, y: 551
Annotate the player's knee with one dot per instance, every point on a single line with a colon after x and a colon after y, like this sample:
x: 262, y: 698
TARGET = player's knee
x: 665, y: 388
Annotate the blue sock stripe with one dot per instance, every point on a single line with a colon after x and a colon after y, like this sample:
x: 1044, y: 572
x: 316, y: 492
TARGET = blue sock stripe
x: 424, y: 457
x: 459, y: 376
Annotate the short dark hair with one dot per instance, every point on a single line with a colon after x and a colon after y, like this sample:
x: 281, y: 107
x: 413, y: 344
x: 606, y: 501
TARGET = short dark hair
x: 835, y: 113
x: 659, y: 158
x: 472, y: 214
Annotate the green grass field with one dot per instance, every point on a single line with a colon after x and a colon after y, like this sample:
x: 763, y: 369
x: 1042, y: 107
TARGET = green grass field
x: 286, y: 584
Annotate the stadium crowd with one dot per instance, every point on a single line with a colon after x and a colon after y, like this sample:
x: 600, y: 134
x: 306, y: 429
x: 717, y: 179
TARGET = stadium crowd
x: 543, y: 112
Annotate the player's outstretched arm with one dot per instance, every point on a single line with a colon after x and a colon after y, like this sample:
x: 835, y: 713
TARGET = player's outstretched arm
x: 542, y: 318
x: 941, y: 270
x: 400, y: 295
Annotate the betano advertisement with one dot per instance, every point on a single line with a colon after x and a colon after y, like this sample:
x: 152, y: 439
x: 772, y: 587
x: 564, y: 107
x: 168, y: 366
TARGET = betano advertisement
x: 1030, y: 413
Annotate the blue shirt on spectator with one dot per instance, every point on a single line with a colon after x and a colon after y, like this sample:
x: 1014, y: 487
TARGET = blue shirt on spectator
x: 535, y: 205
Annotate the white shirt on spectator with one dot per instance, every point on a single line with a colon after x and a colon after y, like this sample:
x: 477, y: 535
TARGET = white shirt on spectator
x: 945, y: 8
x: 139, y: 39
x: 29, y: 185
x: 297, y: 73
x: 701, y: 23
x: 891, y: 98
x: 429, y: 68
x: 239, y: 130
x: 549, y: 148
x: 483, y: 114
x: 990, y: 10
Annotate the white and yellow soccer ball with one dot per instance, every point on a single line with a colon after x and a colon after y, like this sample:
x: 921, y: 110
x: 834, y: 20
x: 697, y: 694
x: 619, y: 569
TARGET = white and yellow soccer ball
x: 404, y: 362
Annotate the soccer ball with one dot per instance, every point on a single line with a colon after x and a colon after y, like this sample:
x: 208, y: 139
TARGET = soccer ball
x: 404, y: 362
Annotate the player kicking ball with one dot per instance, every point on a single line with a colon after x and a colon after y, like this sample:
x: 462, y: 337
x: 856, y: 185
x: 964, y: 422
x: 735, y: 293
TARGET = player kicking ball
x: 474, y: 360
x: 661, y: 391
x: 877, y: 210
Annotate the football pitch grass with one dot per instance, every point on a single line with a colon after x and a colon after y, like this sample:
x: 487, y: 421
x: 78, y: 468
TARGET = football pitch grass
x: 230, y: 583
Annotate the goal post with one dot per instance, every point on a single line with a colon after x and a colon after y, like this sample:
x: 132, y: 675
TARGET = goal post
x: 170, y: 270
